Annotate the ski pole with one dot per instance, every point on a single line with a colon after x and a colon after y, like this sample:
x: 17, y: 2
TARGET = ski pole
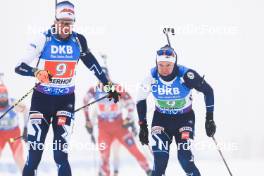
x: 166, y: 31
x: 21, y: 99
x: 56, y: 2
x: 92, y: 137
x: 14, y: 139
x: 89, y: 104
x: 221, y: 154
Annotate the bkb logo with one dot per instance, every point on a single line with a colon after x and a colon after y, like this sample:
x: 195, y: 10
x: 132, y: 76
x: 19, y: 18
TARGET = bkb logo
x: 168, y: 90
x: 61, y: 49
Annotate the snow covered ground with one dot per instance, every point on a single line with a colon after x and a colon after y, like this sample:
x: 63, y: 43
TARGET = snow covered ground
x: 130, y: 168
x: 84, y: 161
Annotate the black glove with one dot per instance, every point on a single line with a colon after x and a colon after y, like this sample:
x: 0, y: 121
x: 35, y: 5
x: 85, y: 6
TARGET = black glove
x: 210, y: 126
x: 143, y: 133
x: 24, y: 135
x: 112, y: 93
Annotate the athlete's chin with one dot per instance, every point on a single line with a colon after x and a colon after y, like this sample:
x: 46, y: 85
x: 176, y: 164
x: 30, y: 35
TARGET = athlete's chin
x: 164, y: 74
x: 64, y: 36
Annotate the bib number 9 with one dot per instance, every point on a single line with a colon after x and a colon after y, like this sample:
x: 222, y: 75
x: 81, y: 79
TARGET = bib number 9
x: 61, y: 69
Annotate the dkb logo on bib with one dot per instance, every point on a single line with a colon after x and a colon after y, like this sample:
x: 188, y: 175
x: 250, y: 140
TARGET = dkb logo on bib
x: 61, y: 49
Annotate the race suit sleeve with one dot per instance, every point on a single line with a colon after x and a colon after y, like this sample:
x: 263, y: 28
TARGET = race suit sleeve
x: 193, y: 80
x: 32, y: 52
x: 90, y: 61
x: 143, y: 92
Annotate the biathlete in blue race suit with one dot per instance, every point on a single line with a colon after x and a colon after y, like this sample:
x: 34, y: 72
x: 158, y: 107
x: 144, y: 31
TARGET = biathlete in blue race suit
x: 56, y: 52
x: 171, y: 86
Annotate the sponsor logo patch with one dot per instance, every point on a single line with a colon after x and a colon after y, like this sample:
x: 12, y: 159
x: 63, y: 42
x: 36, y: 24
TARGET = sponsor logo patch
x: 186, y: 128
x: 190, y: 75
x: 35, y: 121
x: 157, y: 130
x: 64, y: 113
